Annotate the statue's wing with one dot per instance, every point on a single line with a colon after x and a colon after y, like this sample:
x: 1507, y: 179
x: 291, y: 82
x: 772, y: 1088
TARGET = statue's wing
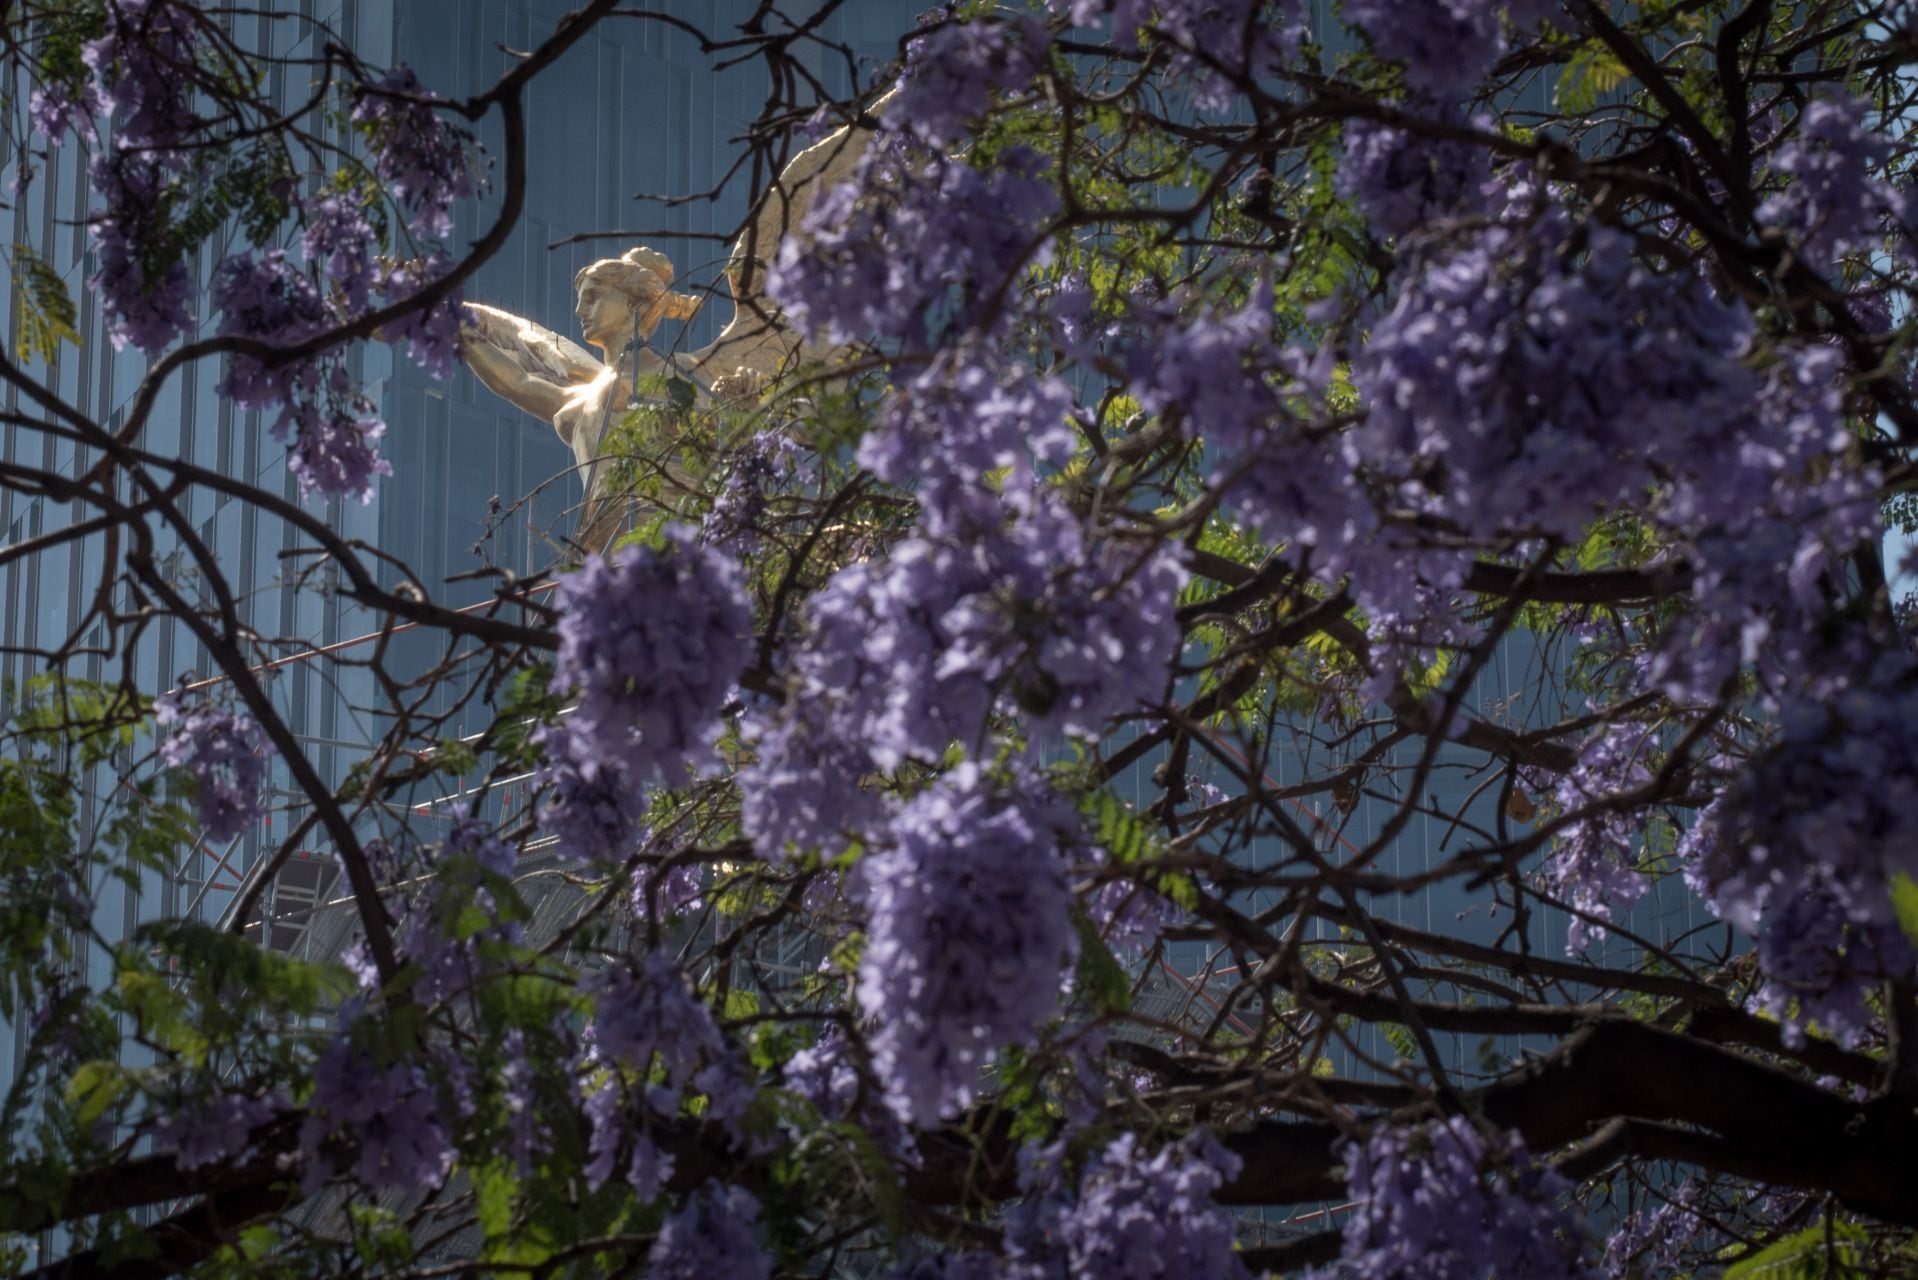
x: 534, y: 348
x: 759, y: 338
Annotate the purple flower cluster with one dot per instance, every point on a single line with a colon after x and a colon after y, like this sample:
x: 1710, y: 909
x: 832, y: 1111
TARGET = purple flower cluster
x: 1445, y: 1199
x: 1138, y: 1215
x: 753, y: 470
x: 710, y: 1236
x: 527, y: 1137
x: 1403, y: 181
x: 215, y: 1128
x: 647, y: 1009
x: 421, y: 157
x: 661, y: 890
x: 965, y: 416
x: 328, y: 426
x: 1124, y: 911
x: 1515, y: 389
x: 826, y: 1075
x: 1222, y: 378
x: 958, y: 69
x: 438, y: 933
x: 265, y: 296
x: 968, y: 938
x: 1771, y: 513
x: 223, y: 752
x: 338, y: 241
x: 823, y: 1074
x: 1216, y: 43
x: 1446, y: 46
x: 142, y: 70
x: 335, y: 450
x: 804, y: 788
x: 648, y: 1168
x: 52, y: 108
x: 386, y: 1118
x: 590, y: 807
x: 1835, y: 200
x: 141, y: 279
x: 431, y: 334
x: 907, y: 656
x: 1664, y: 1241
x: 651, y: 641
x: 1801, y: 850
x: 1594, y: 864
x: 647, y: 1019
x: 916, y: 241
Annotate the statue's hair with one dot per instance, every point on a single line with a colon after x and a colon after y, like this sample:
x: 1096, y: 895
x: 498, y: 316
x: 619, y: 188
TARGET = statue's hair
x: 642, y: 274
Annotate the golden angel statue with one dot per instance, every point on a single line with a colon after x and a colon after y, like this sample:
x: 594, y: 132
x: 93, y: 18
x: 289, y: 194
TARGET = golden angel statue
x: 621, y: 302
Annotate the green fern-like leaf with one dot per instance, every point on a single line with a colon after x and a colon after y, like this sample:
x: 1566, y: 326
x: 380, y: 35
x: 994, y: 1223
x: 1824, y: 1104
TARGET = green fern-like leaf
x: 47, y: 313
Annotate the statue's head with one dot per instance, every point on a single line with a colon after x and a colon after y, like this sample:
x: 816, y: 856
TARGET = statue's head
x: 613, y: 291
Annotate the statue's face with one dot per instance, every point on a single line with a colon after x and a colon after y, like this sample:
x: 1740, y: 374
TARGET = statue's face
x: 605, y: 313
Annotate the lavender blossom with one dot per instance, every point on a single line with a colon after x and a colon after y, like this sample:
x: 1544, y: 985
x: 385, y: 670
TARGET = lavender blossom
x: 826, y: 1075
x: 430, y: 335
x: 1594, y: 864
x: 1447, y: 1200
x: 1511, y: 389
x: 804, y: 787
x: 967, y: 942
x: 609, y: 1131
x: 52, y: 108
x: 591, y: 808
x: 914, y: 244
x: 387, y: 1119
x: 1834, y: 200
x: 216, y: 1128
x: 906, y: 657
x: 1801, y: 849
x: 419, y: 156
x: 661, y: 891
x: 328, y: 427
x: 1402, y: 181
x: 1142, y: 1216
x: 651, y: 642
x: 645, y: 1010
x: 141, y: 279
x: 965, y: 417
x: 142, y: 68
x: 339, y: 241
x: 754, y: 469
x: 956, y: 70
x: 710, y: 1236
x: 647, y: 1020
x: 223, y: 752
x: 1446, y: 46
x: 265, y: 297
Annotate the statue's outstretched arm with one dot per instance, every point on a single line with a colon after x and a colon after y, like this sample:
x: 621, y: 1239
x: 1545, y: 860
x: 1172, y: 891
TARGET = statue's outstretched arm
x: 523, y: 362
x: 493, y: 367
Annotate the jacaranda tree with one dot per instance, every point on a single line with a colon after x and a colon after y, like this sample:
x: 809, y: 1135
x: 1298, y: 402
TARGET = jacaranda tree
x: 1200, y: 398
